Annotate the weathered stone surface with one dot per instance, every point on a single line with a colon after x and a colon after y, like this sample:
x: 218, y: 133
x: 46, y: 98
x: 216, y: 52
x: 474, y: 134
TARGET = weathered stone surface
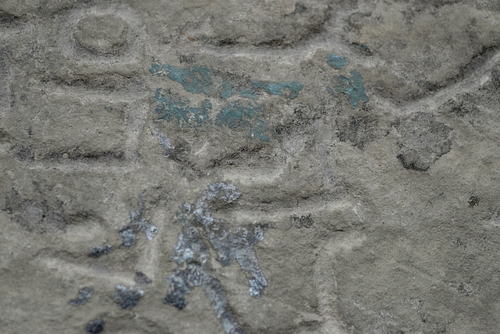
x: 249, y: 167
x: 110, y: 38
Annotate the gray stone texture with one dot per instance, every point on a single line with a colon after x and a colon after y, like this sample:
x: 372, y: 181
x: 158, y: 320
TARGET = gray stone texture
x: 284, y: 166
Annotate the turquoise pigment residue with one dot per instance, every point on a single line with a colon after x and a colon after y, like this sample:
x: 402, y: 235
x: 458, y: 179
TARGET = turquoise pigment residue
x: 194, y: 80
x: 336, y: 61
x: 180, y: 112
x: 352, y: 87
x: 226, y: 90
x: 249, y: 94
x: 236, y: 115
x: 279, y: 88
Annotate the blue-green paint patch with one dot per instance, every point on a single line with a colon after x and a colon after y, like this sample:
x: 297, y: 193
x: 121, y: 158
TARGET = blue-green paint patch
x: 180, y: 112
x: 336, y: 61
x: 286, y: 89
x: 195, y: 80
x: 237, y: 115
x: 249, y: 94
x: 226, y: 90
x: 352, y: 87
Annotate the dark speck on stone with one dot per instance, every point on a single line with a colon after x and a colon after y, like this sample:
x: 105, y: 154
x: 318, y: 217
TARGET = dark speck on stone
x: 127, y: 297
x: 466, y: 289
x: 128, y: 236
x: 99, y: 251
x: 473, y: 201
x: 83, y: 295
x: 175, y: 300
x: 141, y: 278
x: 302, y: 221
x: 95, y: 326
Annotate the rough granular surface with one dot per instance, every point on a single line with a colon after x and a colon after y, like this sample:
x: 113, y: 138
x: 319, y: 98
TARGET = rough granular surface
x: 270, y: 167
